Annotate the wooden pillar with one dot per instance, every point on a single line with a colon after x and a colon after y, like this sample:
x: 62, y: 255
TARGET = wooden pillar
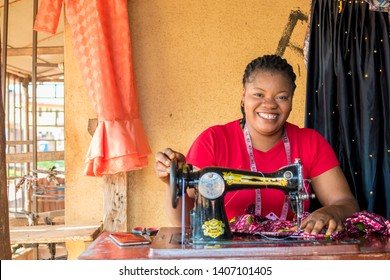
x: 5, y: 246
x: 115, y: 202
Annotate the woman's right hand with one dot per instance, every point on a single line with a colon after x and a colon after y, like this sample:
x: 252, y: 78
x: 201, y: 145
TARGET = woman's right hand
x: 163, y: 163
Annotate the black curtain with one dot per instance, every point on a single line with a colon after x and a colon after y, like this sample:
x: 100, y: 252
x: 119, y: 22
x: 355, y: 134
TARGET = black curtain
x: 348, y: 94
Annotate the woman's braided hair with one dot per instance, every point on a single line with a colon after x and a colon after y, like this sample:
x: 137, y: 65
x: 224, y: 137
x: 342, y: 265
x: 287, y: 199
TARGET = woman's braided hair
x: 268, y: 63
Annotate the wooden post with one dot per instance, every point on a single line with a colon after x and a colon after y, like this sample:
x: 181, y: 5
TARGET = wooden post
x: 5, y: 246
x: 115, y: 202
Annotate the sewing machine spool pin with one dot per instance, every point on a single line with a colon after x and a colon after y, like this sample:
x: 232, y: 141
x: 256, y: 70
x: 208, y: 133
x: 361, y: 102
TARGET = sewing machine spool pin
x: 209, y: 223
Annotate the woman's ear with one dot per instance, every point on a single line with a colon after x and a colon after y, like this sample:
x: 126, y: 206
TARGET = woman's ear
x: 243, y: 95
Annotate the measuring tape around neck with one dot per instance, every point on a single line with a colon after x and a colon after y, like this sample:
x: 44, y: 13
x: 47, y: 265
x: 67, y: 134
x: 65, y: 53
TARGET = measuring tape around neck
x: 249, y: 147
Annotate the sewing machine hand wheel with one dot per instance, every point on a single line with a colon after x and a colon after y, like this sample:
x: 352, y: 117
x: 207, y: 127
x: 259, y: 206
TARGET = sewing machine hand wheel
x: 173, y: 183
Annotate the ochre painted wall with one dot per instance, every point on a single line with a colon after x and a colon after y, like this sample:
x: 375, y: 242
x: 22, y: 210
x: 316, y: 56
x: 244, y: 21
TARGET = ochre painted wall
x: 189, y: 58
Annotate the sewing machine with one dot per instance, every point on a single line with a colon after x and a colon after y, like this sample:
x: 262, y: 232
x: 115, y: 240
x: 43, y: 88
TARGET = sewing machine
x: 208, y: 221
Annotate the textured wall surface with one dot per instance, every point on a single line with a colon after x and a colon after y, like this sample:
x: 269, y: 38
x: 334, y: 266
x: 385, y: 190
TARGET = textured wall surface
x: 189, y: 58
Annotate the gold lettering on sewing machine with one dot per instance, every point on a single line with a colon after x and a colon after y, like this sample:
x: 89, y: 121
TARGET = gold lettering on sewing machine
x: 239, y: 179
x: 213, y: 228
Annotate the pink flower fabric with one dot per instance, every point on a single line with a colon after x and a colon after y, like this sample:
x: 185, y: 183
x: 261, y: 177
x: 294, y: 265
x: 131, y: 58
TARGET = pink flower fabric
x: 359, y: 224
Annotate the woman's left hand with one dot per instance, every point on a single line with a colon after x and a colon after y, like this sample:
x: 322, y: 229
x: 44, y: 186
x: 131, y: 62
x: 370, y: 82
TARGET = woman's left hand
x: 325, y: 217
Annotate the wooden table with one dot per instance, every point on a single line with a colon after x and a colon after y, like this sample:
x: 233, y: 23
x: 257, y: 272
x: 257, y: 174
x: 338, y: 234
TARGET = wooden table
x: 76, y: 237
x: 372, y: 247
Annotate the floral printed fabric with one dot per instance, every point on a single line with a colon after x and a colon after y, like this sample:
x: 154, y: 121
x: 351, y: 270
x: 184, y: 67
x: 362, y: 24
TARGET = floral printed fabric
x: 365, y: 223
x: 379, y: 5
x: 358, y: 224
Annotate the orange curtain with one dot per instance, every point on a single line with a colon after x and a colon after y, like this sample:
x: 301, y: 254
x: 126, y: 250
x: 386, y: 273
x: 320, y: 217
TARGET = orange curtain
x: 101, y: 37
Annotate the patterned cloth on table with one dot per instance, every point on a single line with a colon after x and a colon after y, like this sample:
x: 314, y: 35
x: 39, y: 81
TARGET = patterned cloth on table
x: 359, y: 224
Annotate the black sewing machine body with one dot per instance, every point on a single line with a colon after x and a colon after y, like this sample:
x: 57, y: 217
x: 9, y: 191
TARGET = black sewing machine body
x: 208, y: 220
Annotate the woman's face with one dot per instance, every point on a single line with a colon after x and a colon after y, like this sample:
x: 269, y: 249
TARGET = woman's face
x: 267, y: 100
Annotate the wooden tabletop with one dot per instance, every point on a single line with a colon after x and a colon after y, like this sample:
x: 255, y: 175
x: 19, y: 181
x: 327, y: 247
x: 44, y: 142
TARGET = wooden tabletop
x: 54, y: 233
x: 371, y: 247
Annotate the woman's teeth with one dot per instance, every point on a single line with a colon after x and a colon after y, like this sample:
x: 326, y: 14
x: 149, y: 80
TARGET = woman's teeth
x: 267, y: 116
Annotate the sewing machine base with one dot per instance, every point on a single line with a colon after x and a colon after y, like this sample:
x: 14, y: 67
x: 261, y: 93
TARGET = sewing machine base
x: 167, y: 244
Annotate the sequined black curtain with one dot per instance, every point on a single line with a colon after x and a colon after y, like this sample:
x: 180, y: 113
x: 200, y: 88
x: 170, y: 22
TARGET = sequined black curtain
x: 348, y: 94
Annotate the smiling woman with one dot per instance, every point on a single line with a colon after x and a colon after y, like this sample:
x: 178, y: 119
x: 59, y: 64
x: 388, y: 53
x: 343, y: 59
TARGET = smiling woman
x: 263, y: 141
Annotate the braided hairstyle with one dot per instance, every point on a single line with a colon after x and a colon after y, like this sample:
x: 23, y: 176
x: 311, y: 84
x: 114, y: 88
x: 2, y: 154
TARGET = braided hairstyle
x: 268, y: 63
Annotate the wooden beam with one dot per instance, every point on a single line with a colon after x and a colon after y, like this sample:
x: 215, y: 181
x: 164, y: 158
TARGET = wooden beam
x: 76, y: 237
x: 50, y: 65
x: 27, y: 157
x: 53, y: 233
x: 18, y: 72
x: 40, y: 51
x: 19, y: 142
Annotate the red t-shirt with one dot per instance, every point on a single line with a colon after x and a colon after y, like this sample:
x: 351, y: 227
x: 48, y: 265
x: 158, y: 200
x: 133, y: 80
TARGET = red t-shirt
x: 224, y: 146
